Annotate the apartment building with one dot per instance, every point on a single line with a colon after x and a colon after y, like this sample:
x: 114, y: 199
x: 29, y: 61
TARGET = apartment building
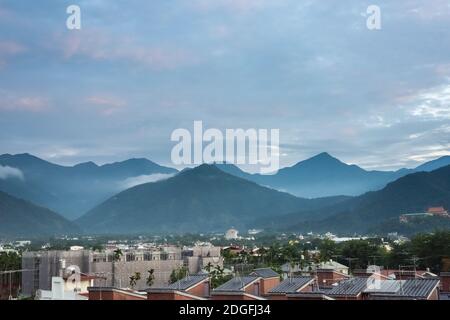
x: 111, y: 272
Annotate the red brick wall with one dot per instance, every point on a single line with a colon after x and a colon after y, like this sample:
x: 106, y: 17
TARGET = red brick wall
x: 231, y: 297
x: 199, y: 290
x: 277, y: 297
x: 434, y: 295
x: 167, y: 296
x: 445, y: 283
x: 359, y: 297
x: 111, y: 295
x: 329, y: 277
x: 268, y: 284
x: 251, y: 288
x: 308, y: 288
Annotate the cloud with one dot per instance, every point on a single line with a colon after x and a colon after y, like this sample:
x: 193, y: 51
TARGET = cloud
x: 13, y: 102
x: 432, y: 103
x: 57, y: 153
x: 10, y: 172
x: 134, y: 181
x: 9, y: 49
x: 233, y: 6
x: 99, y: 46
x: 108, y: 104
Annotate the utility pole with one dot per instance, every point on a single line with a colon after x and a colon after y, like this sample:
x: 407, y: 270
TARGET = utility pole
x: 349, y: 260
x: 414, y: 260
x: 374, y: 259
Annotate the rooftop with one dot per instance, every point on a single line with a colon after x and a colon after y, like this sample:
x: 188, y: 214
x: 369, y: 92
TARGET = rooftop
x: 410, y: 288
x: 292, y: 285
x: 183, y: 284
x: 349, y: 287
x: 265, y: 273
x: 236, y: 284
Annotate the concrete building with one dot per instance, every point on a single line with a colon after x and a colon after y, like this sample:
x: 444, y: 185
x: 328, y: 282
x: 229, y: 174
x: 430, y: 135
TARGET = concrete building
x: 44, y: 265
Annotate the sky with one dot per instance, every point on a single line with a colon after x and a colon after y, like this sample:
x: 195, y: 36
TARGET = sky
x: 138, y: 70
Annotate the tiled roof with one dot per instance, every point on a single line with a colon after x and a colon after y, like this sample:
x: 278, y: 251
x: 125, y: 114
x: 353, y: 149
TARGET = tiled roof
x: 331, y: 265
x: 182, y: 284
x: 236, y: 284
x: 415, y: 288
x: 291, y: 285
x: 265, y: 273
x: 349, y: 287
x: 386, y: 286
x: 420, y: 288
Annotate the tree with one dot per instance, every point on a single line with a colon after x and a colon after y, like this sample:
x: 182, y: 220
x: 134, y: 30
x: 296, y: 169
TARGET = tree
x: 328, y: 249
x: 178, y: 274
x: 116, y: 257
x: 218, y: 276
x: 150, y: 278
x: 134, y: 279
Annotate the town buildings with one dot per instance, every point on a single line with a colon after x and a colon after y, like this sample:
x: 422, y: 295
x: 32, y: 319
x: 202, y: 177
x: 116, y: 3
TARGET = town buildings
x: 112, y: 270
x: 261, y: 285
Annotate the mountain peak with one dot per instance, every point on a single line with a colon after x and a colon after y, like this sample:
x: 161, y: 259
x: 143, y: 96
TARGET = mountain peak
x: 320, y: 159
x: 205, y: 169
x: 323, y: 155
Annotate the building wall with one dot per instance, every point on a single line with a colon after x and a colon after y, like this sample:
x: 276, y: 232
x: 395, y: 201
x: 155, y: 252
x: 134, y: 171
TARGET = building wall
x: 167, y: 296
x: 112, y: 295
x: 326, y: 278
x: 277, y: 297
x: 445, y: 283
x: 231, y: 297
x: 434, y: 295
x: 7, y: 283
x: 47, y: 264
x: 254, y: 288
x: 268, y: 284
x: 125, y: 269
x: 200, y: 290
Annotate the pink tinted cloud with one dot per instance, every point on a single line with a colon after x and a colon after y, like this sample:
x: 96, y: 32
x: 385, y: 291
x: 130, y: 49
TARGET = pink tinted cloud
x: 108, y: 105
x: 99, y: 46
x: 234, y: 6
x: 23, y: 103
x: 9, y: 49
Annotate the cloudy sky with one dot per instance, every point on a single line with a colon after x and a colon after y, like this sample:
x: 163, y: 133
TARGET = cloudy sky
x: 137, y: 70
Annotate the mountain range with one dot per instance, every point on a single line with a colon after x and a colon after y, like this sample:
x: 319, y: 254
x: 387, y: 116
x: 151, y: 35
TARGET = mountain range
x: 72, y: 190
x: 376, y: 211
x: 22, y: 218
x: 196, y: 200
x: 323, y: 175
x: 138, y: 195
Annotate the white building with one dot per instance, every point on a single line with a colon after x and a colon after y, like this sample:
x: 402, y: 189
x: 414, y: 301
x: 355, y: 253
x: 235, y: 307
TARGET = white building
x: 231, y: 234
x: 61, y: 290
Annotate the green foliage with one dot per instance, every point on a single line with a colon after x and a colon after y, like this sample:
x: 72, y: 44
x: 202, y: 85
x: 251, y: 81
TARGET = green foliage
x: 178, y: 274
x: 217, y: 275
x: 10, y: 261
x: 150, y: 277
x: 134, y: 279
x: 426, y: 250
x: 117, y: 254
